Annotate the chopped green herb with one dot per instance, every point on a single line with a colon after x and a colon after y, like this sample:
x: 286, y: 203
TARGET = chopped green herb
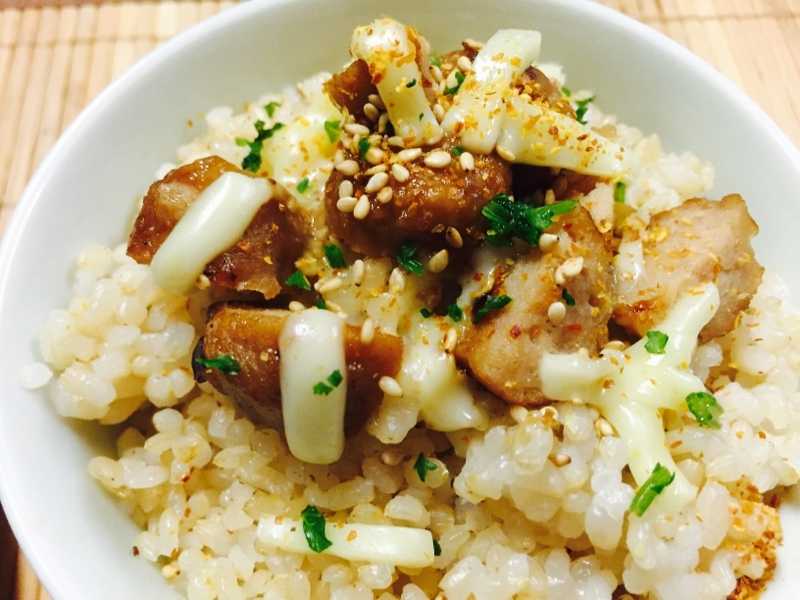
x: 426, y: 314
x: 421, y: 115
x: 454, y: 89
x: 334, y: 255
x: 423, y: 466
x: 619, y: 192
x: 705, y: 409
x: 332, y: 129
x: 656, y: 342
x: 224, y: 362
x: 363, y: 148
x: 566, y: 92
x: 321, y: 304
x: 454, y: 312
x: 314, y: 529
x: 458, y: 150
x: 437, y: 549
x: 434, y: 60
x: 582, y: 105
x: 509, y: 220
x: 405, y: 258
x: 299, y: 280
x: 655, y: 484
x: 569, y: 299
x: 334, y: 379
x: 270, y: 108
x: 252, y: 162
x: 491, y: 303
x: 411, y: 83
x: 303, y: 186
x: 389, y: 130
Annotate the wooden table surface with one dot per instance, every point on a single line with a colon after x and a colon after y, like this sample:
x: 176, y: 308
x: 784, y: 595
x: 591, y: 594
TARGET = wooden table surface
x: 56, y: 55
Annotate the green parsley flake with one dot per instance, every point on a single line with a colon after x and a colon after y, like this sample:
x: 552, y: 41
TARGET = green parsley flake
x: 434, y: 60
x: 332, y: 129
x: 491, y: 303
x: 405, y: 258
x: 569, y: 299
x: 566, y: 92
x: 314, y: 529
x: 334, y: 255
x: 299, y: 280
x: 582, y: 105
x: 252, y: 162
x: 705, y: 409
x: 421, y: 115
x: 619, y: 192
x: 454, y: 89
x: 655, y: 484
x: 656, y: 342
x: 270, y: 108
x: 303, y: 186
x: 509, y: 220
x: 411, y: 83
x: 454, y: 312
x: 458, y: 150
x: 363, y: 148
x: 426, y: 314
x: 437, y: 549
x: 321, y: 304
x: 423, y: 466
x: 224, y: 362
x: 334, y: 379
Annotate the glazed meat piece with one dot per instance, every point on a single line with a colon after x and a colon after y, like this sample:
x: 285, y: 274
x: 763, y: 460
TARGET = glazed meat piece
x: 260, y: 261
x: 350, y: 88
x: 503, y: 350
x: 701, y: 240
x: 250, y: 335
x: 422, y: 206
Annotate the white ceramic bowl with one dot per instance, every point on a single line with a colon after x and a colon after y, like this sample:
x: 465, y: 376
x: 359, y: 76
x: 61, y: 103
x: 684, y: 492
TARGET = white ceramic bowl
x: 76, y: 537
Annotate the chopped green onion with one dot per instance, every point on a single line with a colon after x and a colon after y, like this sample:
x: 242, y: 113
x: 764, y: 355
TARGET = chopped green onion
x: 656, y: 342
x: 224, y: 362
x: 321, y: 304
x: 655, y: 484
x: 405, y: 258
x: 434, y: 60
x: 705, y: 409
x: 619, y: 192
x: 421, y: 115
x: 252, y: 162
x: 583, y: 105
x: 426, y: 314
x: 270, y: 108
x: 389, y: 129
x: 454, y: 312
x: 458, y: 150
x: 509, y: 220
x: 566, y: 92
x: 299, y: 280
x: 332, y: 129
x: 334, y: 379
x: 569, y: 299
x: 314, y: 529
x: 334, y: 255
x: 454, y: 89
x: 437, y: 549
x: 423, y: 466
x: 363, y: 148
x: 411, y: 83
x: 303, y: 186
x: 491, y: 303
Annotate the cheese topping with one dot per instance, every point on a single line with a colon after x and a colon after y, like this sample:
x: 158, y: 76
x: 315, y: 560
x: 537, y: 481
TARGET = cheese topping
x: 311, y: 348
x: 212, y: 224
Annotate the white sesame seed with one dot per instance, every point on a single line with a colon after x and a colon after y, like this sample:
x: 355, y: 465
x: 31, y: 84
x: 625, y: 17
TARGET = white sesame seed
x: 396, y: 141
x: 347, y: 204
x: 615, y: 345
x: 569, y: 269
x: 375, y: 139
x: 362, y: 208
x: 583, y: 353
x: 377, y: 101
x: 518, y: 413
x: 338, y: 156
x: 331, y: 285
x: 400, y: 173
x: 350, y: 119
x: 437, y: 74
x: 439, y: 261
x: 464, y: 63
x: 367, y: 331
x: 352, y: 143
x: 170, y: 571
x: 382, y: 120
x: 409, y: 154
x: 202, y: 282
x: 390, y: 387
x: 467, y: 161
x: 391, y: 458
x: 442, y: 86
x: 435, y: 136
x: 371, y: 111
x: 376, y: 169
x: 296, y: 306
x: 556, y: 312
x: 473, y: 44
x: 561, y: 460
x: 385, y: 195
x: 549, y: 197
x: 397, y: 281
x: 604, y: 427
x: 438, y: 159
x: 335, y: 308
x: 376, y: 182
x: 549, y: 413
x: 453, y: 237
x: 347, y: 167
x: 356, y: 129
x: 451, y: 79
x: 505, y: 153
x: 439, y: 112
x: 547, y: 241
x: 345, y: 188
x: 450, y: 340
x: 359, y: 268
x: 375, y: 156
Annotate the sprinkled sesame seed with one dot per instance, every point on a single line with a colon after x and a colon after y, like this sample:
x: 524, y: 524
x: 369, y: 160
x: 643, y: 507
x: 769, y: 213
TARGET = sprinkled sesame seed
x: 451, y: 79
x: 439, y: 112
x: 450, y: 340
x: 331, y: 285
x: 464, y: 63
x: 400, y: 173
x: 377, y: 101
x: 397, y: 281
x: 548, y: 412
x: 467, y: 161
x: 409, y: 154
x: 549, y: 197
x: 371, y: 111
x: 505, y: 153
x: 561, y: 460
x: 376, y: 182
x: 473, y: 44
x: 347, y: 204
x: 569, y: 269
x: 335, y: 308
x: 367, y: 331
x: 439, y: 261
x: 604, y: 427
x: 375, y: 156
x: 385, y: 195
x: 170, y: 571
x: 556, y: 312
x: 356, y: 129
x: 359, y: 268
x: 350, y: 119
x: 347, y: 167
x: 391, y: 458
x: 583, y: 353
x: 338, y: 156
x: 518, y: 413
x: 390, y: 387
x: 202, y: 282
x: 437, y: 74
x: 396, y: 141
x: 435, y: 136
x: 296, y: 306
x: 362, y: 208
x: 438, y: 159
x: 345, y: 188
x: 376, y: 169
x: 453, y: 237
x: 382, y: 121
x: 615, y: 345
x: 547, y: 241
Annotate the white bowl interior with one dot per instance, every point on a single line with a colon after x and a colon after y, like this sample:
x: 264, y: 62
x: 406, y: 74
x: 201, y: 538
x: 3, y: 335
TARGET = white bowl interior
x: 77, y: 538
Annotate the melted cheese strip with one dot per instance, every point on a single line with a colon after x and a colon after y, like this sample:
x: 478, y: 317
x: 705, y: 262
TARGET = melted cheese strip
x: 311, y: 347
x: 477, y: 111
x: 392, y: 59
x: 631, y: 391
x: 377, y: 544
x: 212, y: 224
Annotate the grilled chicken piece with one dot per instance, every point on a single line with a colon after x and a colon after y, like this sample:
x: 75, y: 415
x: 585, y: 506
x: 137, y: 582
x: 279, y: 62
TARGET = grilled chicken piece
x: 423, y: 206
x: 503, y: 350
x: 699, y: 241
x: 250, y: 335
x: 260, y: 261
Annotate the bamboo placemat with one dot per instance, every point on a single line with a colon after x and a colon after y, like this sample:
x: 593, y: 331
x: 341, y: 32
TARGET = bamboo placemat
x: 56, y: 57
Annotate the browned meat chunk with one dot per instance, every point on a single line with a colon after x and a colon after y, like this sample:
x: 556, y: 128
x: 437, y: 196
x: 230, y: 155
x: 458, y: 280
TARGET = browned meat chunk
x: 504, y: 349
x: 250, y: 335
x: 260, y: 261
x: 350, y: 89
x: 422, y: 207
x: 699, y: 241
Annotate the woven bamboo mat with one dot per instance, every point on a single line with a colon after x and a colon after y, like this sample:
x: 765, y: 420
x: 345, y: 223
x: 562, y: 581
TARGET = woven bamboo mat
x: 56, y: 56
